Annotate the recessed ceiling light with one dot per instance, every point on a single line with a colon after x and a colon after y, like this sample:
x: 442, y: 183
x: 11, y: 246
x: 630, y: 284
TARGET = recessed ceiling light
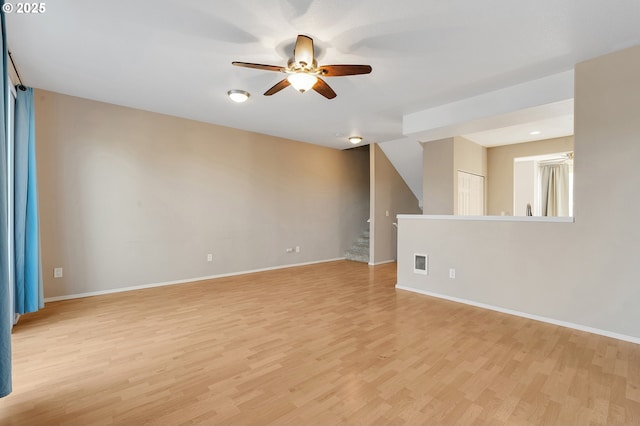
x: 355, y: 139
x: 535, y: 132
x: 238, y: 96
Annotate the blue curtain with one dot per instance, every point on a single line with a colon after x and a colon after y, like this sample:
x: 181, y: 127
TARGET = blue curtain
x: 5, y: 303
x: 28, y: 273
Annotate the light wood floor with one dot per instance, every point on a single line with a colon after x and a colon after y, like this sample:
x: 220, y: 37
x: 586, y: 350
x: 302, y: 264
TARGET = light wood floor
x: 324, y: 344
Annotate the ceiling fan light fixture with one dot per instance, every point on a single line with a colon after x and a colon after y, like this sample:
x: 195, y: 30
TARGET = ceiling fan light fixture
x: 355, y: 139
x: 238, y: 96
x: 302, y: 81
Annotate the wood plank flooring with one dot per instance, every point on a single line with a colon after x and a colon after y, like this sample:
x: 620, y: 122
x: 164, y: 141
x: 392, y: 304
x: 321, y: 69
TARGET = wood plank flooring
x: 323, y: 344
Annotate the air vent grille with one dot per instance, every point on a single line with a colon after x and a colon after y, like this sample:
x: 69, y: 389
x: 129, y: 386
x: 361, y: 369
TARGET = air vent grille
x: 421, y: 264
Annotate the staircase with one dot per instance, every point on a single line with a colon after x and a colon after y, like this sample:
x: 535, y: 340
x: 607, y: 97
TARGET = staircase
x: 359, y: 251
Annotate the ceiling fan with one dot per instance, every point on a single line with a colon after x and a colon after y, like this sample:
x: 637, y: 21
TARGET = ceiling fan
x: 303, y: 70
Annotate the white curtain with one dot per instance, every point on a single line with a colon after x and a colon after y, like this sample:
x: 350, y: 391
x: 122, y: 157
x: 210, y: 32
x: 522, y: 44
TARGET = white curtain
x: 554, y: 192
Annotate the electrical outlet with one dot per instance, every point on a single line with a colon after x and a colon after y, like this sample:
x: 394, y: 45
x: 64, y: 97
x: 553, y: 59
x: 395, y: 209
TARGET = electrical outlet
x: 297, y: 249
x: 209, y: 257
x: 452, y: 273
x: 57, y: 273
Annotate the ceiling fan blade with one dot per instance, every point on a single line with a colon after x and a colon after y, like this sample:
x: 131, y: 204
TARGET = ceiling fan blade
x: 258, y: 66
x: 338, y: 70
x: 323, y: 88
x: 303, y: 52
x: 277, y: 87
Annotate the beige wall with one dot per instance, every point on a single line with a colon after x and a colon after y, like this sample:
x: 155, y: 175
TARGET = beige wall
x: 500, y: 169
x: 390, y: 196
x: 437, y: 181
x: 468, y: 157
x: 129, y: 197
x: 441, y: 161
x: 583, y: 273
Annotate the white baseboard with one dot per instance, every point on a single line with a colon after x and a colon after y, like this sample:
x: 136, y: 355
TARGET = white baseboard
x: 381, y: 263
x: 185, y: 281
x: 566, y: 324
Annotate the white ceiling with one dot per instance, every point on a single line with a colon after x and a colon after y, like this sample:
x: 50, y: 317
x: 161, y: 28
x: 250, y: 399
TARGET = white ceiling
x: 174, y: 56
x: 555, y: 127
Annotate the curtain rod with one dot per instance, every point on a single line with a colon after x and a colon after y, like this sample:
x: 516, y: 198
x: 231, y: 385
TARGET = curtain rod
x: 555, y: 161
x: 13, y: 64
x: 568, y: 157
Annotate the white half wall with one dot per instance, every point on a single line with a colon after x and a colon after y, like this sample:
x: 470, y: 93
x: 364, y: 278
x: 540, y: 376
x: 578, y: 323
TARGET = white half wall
x: 584, y: 273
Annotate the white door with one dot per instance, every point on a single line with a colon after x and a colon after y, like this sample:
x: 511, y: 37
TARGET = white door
x: 470, y: 194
